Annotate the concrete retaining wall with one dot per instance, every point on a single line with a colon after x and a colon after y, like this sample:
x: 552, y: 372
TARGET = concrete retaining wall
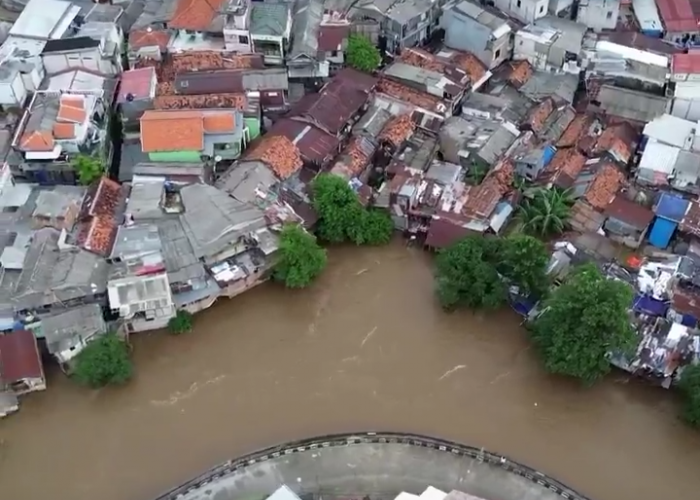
x: 377, y: 464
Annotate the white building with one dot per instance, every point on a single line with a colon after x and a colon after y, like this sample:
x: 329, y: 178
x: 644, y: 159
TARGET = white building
x: 550, y: 44
x: 39, y: 22
x: 20, y: 75
x: 142, y: 302
x: 598, y: 15
x: 526, y: 11
x: 685, y: 72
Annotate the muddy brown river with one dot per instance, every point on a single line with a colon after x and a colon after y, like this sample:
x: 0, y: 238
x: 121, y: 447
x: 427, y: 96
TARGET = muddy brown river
x: 366, y: 348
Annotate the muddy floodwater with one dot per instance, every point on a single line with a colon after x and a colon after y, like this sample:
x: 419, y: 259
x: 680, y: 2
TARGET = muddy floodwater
x: 365, y: 348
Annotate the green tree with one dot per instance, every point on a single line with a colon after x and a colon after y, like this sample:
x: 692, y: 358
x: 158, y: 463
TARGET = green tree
x: 361, y: 54
x: 465, y: 276
x: 343, y: 218
x: 103, y: 361
x: 476, y: 173
x: 690, y: 390
x: 546, y: 213
x: 523, y: 260
x: 301, y: 259
x: 180, y: 323
x: 88, y: 169
x: 585, y: 319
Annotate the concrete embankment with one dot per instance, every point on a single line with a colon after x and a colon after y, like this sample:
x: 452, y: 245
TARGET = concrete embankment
x: 379, y: 465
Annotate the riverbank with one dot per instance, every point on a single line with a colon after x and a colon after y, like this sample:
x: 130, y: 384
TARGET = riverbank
x: 366, y: 347
x: 377, y: 464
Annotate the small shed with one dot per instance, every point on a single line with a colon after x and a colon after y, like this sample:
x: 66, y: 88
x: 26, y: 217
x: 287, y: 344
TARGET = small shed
x: 627, y: 221
x: 668, y: 213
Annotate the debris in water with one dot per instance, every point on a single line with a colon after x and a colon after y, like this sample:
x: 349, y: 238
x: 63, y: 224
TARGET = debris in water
x: 451, y: 371
x: 367, y: 337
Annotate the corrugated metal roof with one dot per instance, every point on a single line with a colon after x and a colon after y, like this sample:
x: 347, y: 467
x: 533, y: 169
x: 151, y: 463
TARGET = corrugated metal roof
x: 671, y: 207
x: 659, y: 157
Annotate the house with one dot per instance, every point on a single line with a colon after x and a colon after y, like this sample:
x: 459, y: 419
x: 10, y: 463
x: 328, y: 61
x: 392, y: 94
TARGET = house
x: 21, y: 370
x: 404, y: 24
x: 143, y: 302
x: 237, y: 16
x: 100, y: 215
x: 269, y: 85
x: 550, y: 44
x: 316, y: 146
x: 95, y: 45
x: 338, y: 104
x: 469, y: 27
x: 354, y: 159
x: 270, y: 26
x: 195, y: 22
x: 598, y: 15
x: 39, y: 22
x: 597, y: 184
x: 669, y: 211
x: 541, y: 85
x: 627, y: 222
x: 68, y: 333
x: 685, y: 73
x: 452, y: 64
x: 147, y: 43
x: 469, y: 140
x: 190, y: 136
x: 69, y: 118
x: 629, y: 67
x: 304, y: 60
x: 333, y: 39
x: 647, y: 16
x: 625, y: 104
x: 526, y: 11
x: 20, y: 76
x: 137, y: 90
x: 680, y: 19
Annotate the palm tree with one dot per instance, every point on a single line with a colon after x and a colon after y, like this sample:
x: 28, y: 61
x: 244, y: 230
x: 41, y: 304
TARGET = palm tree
x: 546, y: 213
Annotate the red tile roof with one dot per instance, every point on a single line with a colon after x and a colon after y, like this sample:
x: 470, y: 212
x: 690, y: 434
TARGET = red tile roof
x: 172, y: 131
x: 619, y: 140
x: 397, y: 130
x: 686, y: 63
x: 19, y: 357
x: 482, y: 199
x: 63, y: 130
x: 204, y: 101
x: 278, y: 152
x: 149, y: 38
x: 331, y: 38
x: 354, y: 158
x: 219, y: 123
x: 411, y: 96
x: 606, y: 183
x: 539, y: 114
x: 137, y: 83
x: 99, y: 215
x: 72, y: 109
x: 520, y: 73
x: 574, y: 132
x: 195, y: 15
x: 565, y: 167
x: 678, y: 15
x: 37, y: 141
x: 632, y: 213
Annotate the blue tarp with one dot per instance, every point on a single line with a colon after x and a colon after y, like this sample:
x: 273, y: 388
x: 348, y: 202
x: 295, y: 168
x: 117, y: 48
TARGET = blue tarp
x: 548, y: 154
x: 649, y: 305
x: 689, y: 321
x: 671, y: 207
x: 662, y: 232
x: 523, y: 306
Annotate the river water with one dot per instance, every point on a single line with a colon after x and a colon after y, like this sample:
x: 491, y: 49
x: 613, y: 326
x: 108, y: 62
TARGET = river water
x: 365, y: 348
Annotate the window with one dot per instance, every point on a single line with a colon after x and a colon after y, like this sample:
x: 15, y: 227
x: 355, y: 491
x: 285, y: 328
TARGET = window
x: 609, y: 15
x: 497, y: 54
x: 243, y: 39
x: 519, y: 3
x: 221, y: 146
x: 541, y: 9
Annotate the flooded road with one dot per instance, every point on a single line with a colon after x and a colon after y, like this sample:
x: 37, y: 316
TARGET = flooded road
x: 365, y: 348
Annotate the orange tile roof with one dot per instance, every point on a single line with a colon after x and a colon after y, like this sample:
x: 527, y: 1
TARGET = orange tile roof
x: 520, y: 73
x: 605, y: 185
x: 72, y: 109
x: 172, y: 131
x: 149, y: 38
x: 219, y: 123
x: 353, y: 159
x: 574, y: 131
x: 619, y: 140
x: 37, y: 141
x: 200, y: 60
x: 63, y: 130
x: 565, y: 167
x: 411, y: 96
x: 195, y: 14
x: 470, y: 64
x: 397, y: 130
x: 467, y: 62
x: 539, y: 114
x: 482, y: 199
x: 279, y: 153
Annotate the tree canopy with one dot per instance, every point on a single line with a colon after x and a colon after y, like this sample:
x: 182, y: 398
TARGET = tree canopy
x: 300, y: 258
x: 103, y: 361
x: 343, y: 218
x: 584, y: 319
x: 546, y: 213
x: 690, y: 389
x: 180, y: 323
x: 88, y: 169
x: 361, y: 54
x: 476, y: 271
